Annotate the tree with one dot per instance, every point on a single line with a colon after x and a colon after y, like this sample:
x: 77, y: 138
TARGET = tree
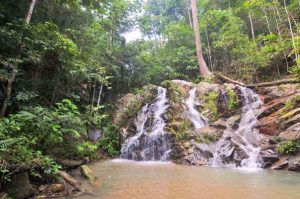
x: 14, y: 68
x: 203, y: 69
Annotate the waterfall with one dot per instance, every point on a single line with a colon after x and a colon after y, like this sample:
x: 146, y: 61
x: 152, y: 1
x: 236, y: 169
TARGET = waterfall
x: 190, y: 107
x: 246, y: 137
x: 151, y: 141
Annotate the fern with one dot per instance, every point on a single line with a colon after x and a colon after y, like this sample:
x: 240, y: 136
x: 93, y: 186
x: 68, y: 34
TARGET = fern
x: 5, y: 144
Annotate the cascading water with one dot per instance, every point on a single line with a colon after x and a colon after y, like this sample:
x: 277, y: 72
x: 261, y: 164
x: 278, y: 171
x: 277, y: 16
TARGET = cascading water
x: 245, y: 137
x: 190, y: 107
x: 151, y: 142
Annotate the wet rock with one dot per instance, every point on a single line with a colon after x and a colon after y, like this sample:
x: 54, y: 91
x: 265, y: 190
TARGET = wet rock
x: 272, y: 107
x: 294, y: 163
x: 269, y: 157
x: 211, y: 132
x: 19, y: 187
x: 220, y: 124
x: 56, y: 188
x: 290, y: 114
x: 280, y: 164
x: 234, y: 121
x: 87, y: 172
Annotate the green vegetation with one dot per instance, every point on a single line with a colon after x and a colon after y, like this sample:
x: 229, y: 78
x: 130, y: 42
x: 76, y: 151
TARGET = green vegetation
x: 211, y: 104
x: 288, y: 148
x: 233, y: 99
x: 64, y: 67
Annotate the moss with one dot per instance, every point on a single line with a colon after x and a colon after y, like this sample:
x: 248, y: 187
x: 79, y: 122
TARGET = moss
x: 211, y: 104
x: 233, y: 99
x: 181, y: 129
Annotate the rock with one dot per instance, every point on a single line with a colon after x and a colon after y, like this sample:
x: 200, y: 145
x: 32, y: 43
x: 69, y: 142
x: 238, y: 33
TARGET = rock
x: 94, y: 134
x: 19, y: 187
x: 269, y: 157
x: 87, y: 172
x: 220, y: 124
x: 290, y: 135
x: 71, y: 164
x: 292, y: 121
x: 267, y: 126
x: 290, y: 114
x: 280, y: 164
x: 211, y: 132
x: 56, y: 188
x: 272, y: 107
x: 294, y: 163
x: 234, y: 121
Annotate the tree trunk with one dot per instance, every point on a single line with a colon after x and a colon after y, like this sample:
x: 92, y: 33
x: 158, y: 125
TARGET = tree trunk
x: 99, y: 95
x: 202, y: 65
x: 190, y: 18
x: 291, y: 27
x: 15, y: 69
x: 267, y: 20
x: 209, y: 50
x: 252, y: 27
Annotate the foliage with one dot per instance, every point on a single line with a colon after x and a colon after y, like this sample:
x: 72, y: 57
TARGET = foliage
x: 211, y: 104
x: 288, y: 148
x: 110, y: 142
x: 233, y: 99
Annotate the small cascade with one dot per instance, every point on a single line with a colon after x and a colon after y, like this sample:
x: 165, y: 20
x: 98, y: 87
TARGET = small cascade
x: 192, y: 113
x: 244, y: 142
x: 151, y: 141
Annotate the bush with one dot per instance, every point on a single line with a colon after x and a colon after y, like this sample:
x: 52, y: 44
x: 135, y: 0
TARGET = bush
x: 288, y: 148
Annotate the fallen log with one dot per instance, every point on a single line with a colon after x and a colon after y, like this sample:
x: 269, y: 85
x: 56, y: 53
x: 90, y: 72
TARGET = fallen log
x: 274, y: 83
x: 227, y: 79
x: 264, y: 84
x: 71, y: 181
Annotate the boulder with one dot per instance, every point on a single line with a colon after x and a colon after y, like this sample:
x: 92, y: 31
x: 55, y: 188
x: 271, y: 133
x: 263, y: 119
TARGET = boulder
x: 294, y: 163
x: 234, y: 121
x: 87, y: 172
x: 280, y: 164
x: 220, y: 124
x: 269, y: 157
x: 94, y: 134
x: 56, y: 188
x: 19, y: 187
x: 290, y: 114
x: 290, y: 135
x: 211, y: 132
x: 292, y: 121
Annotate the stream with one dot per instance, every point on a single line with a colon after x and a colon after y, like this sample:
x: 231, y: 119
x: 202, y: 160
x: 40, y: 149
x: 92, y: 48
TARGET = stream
x: 124, y: 179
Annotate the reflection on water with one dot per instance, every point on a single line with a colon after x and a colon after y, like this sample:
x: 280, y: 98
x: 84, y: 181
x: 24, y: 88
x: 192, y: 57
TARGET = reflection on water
x: 123, y: 179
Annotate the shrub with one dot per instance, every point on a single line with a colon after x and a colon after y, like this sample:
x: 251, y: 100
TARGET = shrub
x: 288, y: 148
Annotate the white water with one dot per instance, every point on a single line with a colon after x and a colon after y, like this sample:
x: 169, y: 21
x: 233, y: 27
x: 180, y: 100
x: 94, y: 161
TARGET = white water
x: 245, y: 137
x: 192, y: 113
x: 151, y: 142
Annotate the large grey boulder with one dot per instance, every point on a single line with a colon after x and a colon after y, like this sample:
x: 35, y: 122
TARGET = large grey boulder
x: 294, y: 163
x: 19, y: 187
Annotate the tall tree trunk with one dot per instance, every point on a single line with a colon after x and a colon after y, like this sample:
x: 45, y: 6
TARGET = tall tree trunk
x: 291, y: 27
x: 252, y: 27
x: 15, y: 68
x: 202, y: 65
x: 280, y: 37
x: 99, y: 95
x: 190, y: 18
x: 209, y: 50
x: 267, y: 20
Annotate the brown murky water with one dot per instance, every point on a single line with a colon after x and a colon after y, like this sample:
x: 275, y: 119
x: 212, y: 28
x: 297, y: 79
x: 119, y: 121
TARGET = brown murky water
x: 122, y: 179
